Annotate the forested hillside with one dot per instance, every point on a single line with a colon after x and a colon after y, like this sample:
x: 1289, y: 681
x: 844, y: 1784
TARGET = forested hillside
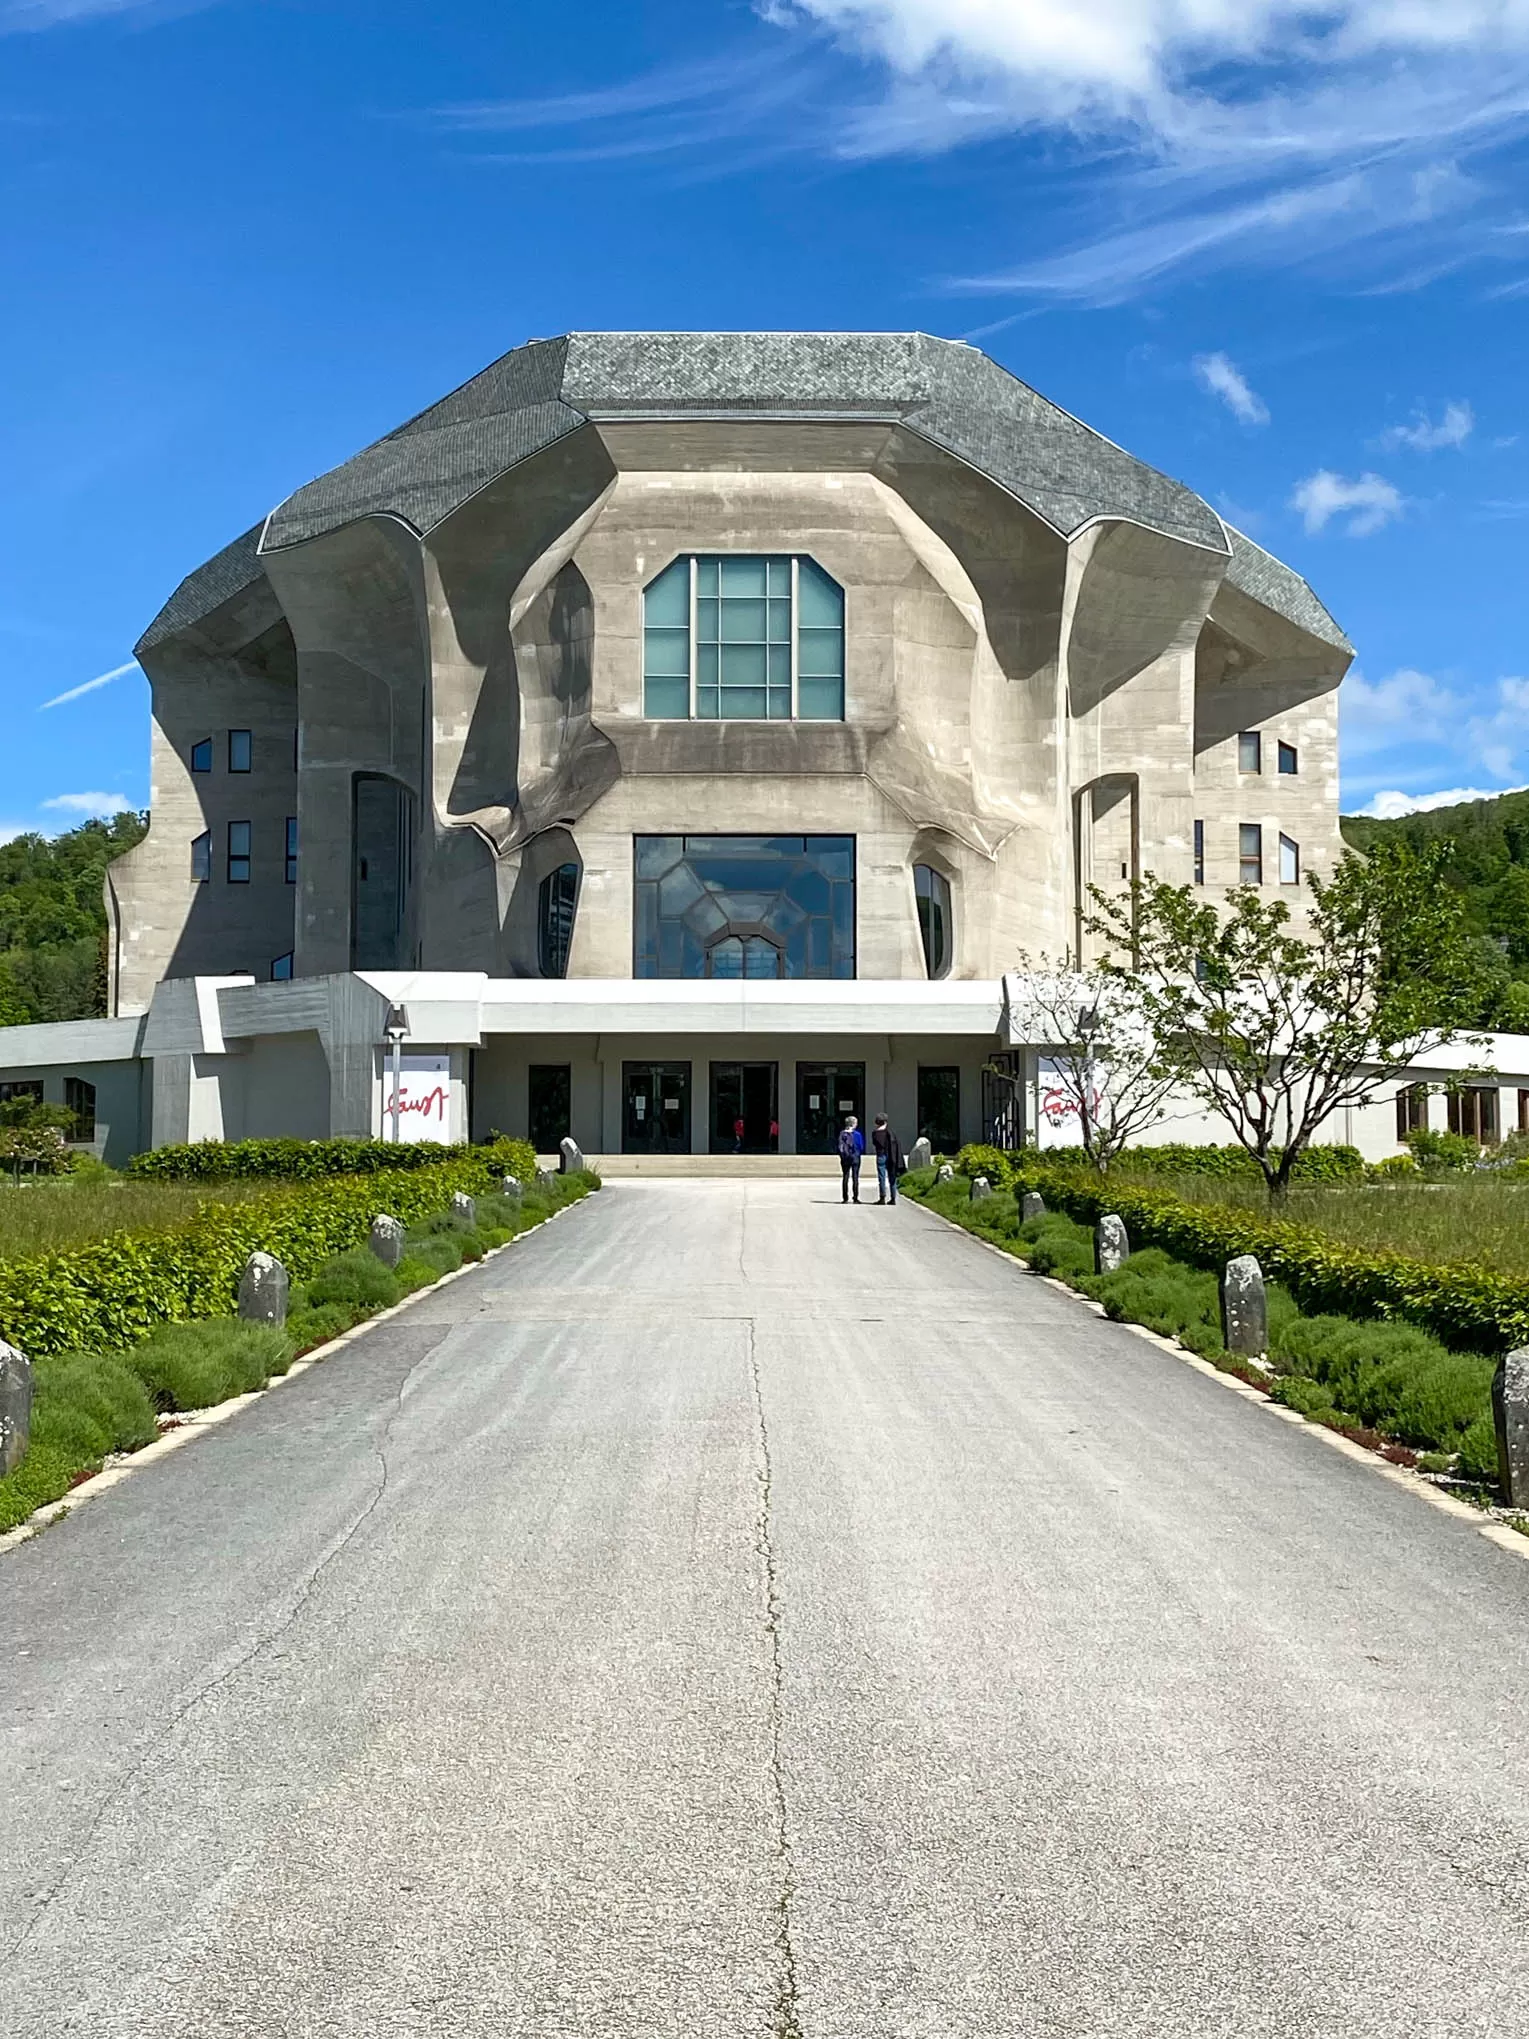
x: 1489, y: 862
x: 53, y: 920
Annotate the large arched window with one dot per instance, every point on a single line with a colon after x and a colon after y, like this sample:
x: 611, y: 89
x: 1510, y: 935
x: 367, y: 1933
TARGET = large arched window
x: 555, y: 906
x: 743, y: 637
x: 935, y: 922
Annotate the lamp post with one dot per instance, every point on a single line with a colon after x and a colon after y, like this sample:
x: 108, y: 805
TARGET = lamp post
x: 1088, y: 1023
x: 395, y: 1027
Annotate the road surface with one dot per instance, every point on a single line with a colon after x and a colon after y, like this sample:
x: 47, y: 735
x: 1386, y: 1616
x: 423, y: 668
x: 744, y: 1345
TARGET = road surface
x: 728, y: 1613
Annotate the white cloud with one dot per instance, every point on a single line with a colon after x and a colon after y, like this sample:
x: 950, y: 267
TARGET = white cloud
x: 1393, y: 805
x: 1501, y: 739
x: 1369, y: 502
x: 90, y: 806
x: 1423, y: 436
x: 90, y: 686
x: 1221, y: 376
x: 1408, y: 706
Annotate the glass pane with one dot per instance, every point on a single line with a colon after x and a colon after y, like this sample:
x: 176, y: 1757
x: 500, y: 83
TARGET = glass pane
x: 759, y: 959
x: 743, y: 704
x: 820, y: 654
x: 666, y: 700
x: 779, y: 576
x: 743, y: 622
x: 238, y: 750
x: 743, y: 665
x: 238, y: 838
x: 727, y: 958
x: 706, y: 614
x: 706, y: 665
x: 655, y: 853
x: 820, y: 700
x: 780, y: 666
x: 821, y: 600
x: 780, y: 704
x: 734, y: 885
x: 667, y: 600
x: 666, y: 652
x: 706, y: 576
x: 201, y: 755
x: 780, y: 622
x: 743, y: 576
x: 706, y: 704
x: 1249, y: 752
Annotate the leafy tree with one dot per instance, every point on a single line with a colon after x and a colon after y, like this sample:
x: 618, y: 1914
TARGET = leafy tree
x: 1275, y: 1032
x: 53, y: 920
x: 1097, y: 1037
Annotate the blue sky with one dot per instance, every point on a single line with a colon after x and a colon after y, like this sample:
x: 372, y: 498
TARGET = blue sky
x: 1280, y: 250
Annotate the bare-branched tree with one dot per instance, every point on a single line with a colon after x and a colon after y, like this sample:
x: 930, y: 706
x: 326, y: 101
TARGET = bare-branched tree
x: 1102, y: 1072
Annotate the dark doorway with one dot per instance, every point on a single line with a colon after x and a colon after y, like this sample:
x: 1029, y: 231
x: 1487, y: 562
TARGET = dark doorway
x: 550, y: 1117
x: 746, y: 1091
x: 655, y: 1107
x: 826, y: 1094
x: 939, y: 1108
x: 382, y: 827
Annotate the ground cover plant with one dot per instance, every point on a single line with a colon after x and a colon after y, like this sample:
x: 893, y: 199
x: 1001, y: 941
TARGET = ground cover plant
x: 1388, y: 1383
x: 89, y: 1403
x: 55, y: 1214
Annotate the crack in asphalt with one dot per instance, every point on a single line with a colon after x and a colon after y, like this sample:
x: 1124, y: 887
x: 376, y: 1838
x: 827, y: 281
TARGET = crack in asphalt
x: 255, y: 1650
x: 787, y: 2022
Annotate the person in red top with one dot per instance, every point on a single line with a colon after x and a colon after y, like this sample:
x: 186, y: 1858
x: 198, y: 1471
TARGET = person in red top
x: 738, y: 1131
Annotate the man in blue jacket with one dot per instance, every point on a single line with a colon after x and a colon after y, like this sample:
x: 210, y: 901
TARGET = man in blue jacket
x: 851, y: 1147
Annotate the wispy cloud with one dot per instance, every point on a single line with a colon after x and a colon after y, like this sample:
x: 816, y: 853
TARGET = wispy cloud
x: 1392, y: 805
x: 1221, y: 376
x: 22, y: 17
x: 1424, y: 436
x: 1368, y: 503
x: 89, y: 806
x: 90, y: 686
x: 1400, y: 735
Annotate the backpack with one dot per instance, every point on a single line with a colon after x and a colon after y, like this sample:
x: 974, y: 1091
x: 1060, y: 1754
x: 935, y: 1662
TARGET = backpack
x: 847, y: 1148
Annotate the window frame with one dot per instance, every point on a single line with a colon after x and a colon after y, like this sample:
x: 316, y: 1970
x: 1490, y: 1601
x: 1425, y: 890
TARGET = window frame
x: 1287, y: 752
x: 249, y: 751
x: 80, y: 1098
x: 939, y: 899
x: 278, y: 975
x: 693, y: 562
x: 236, y: 857
x: 555, y: 919
x: 1246, y: 856
x: 291, y: 851
x: 1288, y: 842
x: 201, y: 858
x: 1253, y: 738
x: 201, y: 757
x: 1199, y: 852
x: 1411, y: 1110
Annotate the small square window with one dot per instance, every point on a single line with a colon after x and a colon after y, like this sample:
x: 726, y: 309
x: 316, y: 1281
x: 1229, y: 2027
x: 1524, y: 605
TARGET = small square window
x: 201, y: 859
x: 1250, y: 854
x: 1289, y: 763
x: 1250, y: 751
x: 291, y: 849
x: 240, y: 749
x: 281, y: 968
x: 238, y: 853
x: 1289, y: 861
x: 201, y: 755
x: 1199, y: 852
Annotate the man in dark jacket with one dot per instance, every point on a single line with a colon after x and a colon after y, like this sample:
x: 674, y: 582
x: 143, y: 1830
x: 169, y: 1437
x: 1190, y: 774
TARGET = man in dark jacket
x: 851, y: 1147
x: 889, y: 1159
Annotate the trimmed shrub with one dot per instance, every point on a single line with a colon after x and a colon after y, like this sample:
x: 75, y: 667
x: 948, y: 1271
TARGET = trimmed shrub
x: 1316, y: 1164
x: 309, y: 1327
x: 357, y: 1280
x: 438, y: 1251
x: 85, y: 1405
x: 310, y: 1160
x: 193, y: 1366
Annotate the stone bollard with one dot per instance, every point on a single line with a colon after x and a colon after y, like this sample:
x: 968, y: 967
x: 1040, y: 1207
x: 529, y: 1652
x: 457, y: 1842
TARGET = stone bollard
x: 945, y: 1173
x: 1111, y: 1246
x: 1510, y: 1412
x: 263, y: 1290
x: 1244, y: 1308
x: 387, y: 1239
x: 15, y: 1406
x: 923, y: 1153
x: 981, y: 1188
x: 464, y: 1209
x: 572, y: 1156
x: 510, y: 1188
x: 1031, y: 1205
x: 545, y: 1178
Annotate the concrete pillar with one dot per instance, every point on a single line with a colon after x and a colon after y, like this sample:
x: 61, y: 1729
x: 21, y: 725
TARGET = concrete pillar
x: 1111, y: 1245
x: 1510, y: 1410
x: 263, y: 1290
x: 1244, y: 1308
x: 15, y: 1406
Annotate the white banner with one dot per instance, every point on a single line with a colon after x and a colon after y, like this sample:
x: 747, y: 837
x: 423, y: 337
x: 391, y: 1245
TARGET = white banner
x: 424, y: 1097
x: 1057, y: 1116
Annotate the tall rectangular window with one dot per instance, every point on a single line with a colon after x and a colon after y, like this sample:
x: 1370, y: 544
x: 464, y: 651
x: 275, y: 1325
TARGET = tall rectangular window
x: 1250, y: 854
x: 1289, y: 861
x: 1411, y: 1110
x: 201, y: 858
x: 1289, y: 763
x: 1199, y: 852
x: 291, y: 849
x: 1250, y: 751
x: 743, y: 637
x: 238, y: 853
x: 1523, y: 1111
x: 80, y: 1097
x: 240, y: 750
x: 201, y: 755
x: 1473, y: 1113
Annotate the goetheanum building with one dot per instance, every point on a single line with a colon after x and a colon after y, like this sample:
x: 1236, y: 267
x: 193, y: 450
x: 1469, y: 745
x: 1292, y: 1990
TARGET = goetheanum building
x: 688, y: 729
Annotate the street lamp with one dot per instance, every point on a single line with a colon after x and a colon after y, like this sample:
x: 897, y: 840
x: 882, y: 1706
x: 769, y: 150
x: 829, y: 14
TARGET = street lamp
x: 1088, y: 1024
x: 395, y: 1027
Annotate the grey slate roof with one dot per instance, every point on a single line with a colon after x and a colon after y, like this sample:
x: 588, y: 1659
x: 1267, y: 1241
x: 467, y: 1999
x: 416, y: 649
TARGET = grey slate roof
x: 944, y: 391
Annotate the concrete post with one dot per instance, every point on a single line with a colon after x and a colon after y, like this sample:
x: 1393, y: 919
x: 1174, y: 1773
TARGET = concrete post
x: 15, y: 1406
x: 1111, y: 1246
x: 945, y: 1173
x: 545, y: 1178
x: 263, y: 1290
x: 1510, y: 1410
x: 1032, y: 1205
x: 981, y: 1188
x: 510, y: 1188
x: 922, y: 1154
x: 572, y: 1157
x: 1244, y: 1308
x: 464, y: 1209
x: 387, y: 1239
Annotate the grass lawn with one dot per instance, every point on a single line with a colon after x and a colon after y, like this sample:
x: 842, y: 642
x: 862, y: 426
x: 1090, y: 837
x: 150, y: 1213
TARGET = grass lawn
x: 1475, y: 1221
x: 50, y: 1216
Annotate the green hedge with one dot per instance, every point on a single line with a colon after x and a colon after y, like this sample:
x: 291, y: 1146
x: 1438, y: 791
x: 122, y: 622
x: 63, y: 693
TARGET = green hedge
x: 309, y: 1160
x: 1317, y: 1164
x: 115, y: 1292
x: 1467, y: 1307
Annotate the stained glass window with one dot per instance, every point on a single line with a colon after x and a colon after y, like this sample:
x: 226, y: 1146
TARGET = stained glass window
x: 744, y: 906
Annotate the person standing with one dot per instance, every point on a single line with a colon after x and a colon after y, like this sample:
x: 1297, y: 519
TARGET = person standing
x: 851, y: 1147
x: 738, y: 1132
x: 889, y: 1159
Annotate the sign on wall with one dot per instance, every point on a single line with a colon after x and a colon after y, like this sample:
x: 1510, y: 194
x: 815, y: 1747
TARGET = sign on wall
x: 1059, y: 1115
x: 424, y: 1097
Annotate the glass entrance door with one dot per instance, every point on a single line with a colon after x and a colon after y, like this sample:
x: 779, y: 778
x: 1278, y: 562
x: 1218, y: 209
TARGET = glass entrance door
x: 939, y: 1108
x: 655, y: 1107
x: 826, y: 1094
x: 549, y: 1098
x: 745, y: 1108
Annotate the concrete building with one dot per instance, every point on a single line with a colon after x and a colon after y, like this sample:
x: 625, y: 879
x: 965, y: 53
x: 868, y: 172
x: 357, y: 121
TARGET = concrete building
x: 687, y: 729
